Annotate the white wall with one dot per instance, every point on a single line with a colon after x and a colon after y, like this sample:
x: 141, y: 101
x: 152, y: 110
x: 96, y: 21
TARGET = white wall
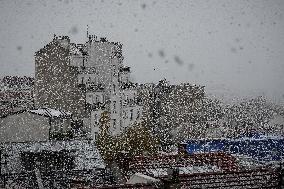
x: 100, y: 57
x: 86, y: 154
x: 24, y: 127
x: 106, y: 72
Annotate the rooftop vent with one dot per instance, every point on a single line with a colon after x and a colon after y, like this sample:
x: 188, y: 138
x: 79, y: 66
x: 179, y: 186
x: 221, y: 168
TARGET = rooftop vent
x: 103, y: 39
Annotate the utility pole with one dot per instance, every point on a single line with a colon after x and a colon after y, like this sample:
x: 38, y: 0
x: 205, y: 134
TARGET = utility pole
x: 1, y: 164
x: 281, y: 170
x: 3, y: 161
x: 173, y: 180
x: 280, y: 175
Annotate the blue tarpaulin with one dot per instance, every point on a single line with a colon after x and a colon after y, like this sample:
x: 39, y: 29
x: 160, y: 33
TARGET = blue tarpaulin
x: 263, y: 148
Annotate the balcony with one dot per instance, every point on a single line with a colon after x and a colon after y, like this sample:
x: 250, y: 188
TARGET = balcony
x: 86, y: 70
x: 96, y: 106
x: 92, y: 87
x: 132, y: 102
x: 82, y: 86
x: 61, y: 136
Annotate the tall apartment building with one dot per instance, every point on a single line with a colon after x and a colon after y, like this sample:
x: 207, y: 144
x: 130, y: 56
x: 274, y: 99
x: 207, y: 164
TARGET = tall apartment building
x: 86, y: 80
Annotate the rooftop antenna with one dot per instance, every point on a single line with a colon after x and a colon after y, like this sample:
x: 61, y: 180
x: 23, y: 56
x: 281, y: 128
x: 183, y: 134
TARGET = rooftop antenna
x: 87, y: 31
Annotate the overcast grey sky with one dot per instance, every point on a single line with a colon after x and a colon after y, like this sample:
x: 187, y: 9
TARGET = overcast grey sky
x: 230, y: 46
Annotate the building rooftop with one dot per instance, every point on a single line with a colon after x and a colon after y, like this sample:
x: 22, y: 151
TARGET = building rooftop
x: 197, y: 163
x: 48, y: 112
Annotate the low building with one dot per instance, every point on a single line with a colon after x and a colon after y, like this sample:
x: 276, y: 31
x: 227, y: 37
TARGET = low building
x: 35, y: 126
x: 161, y: 166
x: 52, y: 164
x: 23, y: 156
x: 139, y: 178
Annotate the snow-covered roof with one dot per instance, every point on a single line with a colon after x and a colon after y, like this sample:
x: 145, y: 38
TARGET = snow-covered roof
x: 247, y: 161
x: 161, y: 172
x: 199, y: 169
x: 86, y: 154
x: 49, y: 112
x: 259, y: 137
x: 242, y: 138
x: 141, y: 178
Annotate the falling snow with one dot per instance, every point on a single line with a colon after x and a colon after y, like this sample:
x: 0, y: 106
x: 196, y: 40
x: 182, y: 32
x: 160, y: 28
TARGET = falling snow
x: 83, y: 121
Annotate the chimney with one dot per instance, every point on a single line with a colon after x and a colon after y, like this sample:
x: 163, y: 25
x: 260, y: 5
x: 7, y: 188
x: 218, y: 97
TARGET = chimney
x: 64, y: 41
x: 123, y: 160
x: 120, y: 166
x: 103, y: 39
x: 182, y: 148
x: 173, y: 180
x: 92, y: 38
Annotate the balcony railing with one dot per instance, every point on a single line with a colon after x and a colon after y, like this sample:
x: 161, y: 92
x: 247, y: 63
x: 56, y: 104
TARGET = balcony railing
x: 96, y: 106
x: 92, y: 87
x: 132, y: 102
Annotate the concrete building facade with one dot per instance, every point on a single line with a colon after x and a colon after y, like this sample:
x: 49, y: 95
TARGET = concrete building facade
x: 86, y: 80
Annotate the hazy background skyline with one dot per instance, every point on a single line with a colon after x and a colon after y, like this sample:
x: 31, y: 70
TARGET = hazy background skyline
x: 234, y: 48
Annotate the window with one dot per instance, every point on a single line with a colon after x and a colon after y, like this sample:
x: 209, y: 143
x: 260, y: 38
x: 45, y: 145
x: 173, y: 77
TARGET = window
x: 114, y: 123
x: 96, y: 136
x: 58, y: 125
x: 96, y: 118
x: 124, y: 114
x: 131, y: 114
x: 93, y: 70
x: 113, y: 70
x: 138, y: 114
x: 114, y: 88
x: 55, y: 126
x: 114, y: 106
x: 93, y: 99
x: 126, y: 100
